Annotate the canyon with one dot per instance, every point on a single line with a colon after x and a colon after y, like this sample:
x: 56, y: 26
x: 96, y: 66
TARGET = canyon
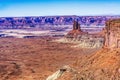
x: 93, y: 56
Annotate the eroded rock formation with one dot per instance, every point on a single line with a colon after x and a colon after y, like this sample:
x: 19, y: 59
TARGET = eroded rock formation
x: 112, y: 35
x: 84, y: 39
x: 76, y: 30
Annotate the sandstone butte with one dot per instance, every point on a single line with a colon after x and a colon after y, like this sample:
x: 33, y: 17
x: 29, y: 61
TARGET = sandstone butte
x: 76, y: 30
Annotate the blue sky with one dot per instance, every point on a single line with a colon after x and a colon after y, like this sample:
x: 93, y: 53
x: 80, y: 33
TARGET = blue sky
x: 58, y: 7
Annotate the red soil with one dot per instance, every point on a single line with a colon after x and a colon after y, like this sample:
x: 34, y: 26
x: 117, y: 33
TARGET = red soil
x: 34, y: 59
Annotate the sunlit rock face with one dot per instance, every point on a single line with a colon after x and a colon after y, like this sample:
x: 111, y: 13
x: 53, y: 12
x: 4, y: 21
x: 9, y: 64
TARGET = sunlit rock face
x: 112, y: 37
x: 83, y: 39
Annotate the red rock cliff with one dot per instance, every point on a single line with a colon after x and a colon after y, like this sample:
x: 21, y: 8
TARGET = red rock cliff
x: 112, y: 36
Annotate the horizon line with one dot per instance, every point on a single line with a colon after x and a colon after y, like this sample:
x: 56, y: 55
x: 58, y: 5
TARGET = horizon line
x: 63, y: 15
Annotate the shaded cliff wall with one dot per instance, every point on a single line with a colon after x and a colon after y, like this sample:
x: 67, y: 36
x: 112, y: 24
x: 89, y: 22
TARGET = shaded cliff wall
x: 112, y: 37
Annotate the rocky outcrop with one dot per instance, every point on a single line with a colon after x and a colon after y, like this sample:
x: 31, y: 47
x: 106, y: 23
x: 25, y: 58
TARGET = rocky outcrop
x: 61, y: 72
x: 76, y: 30
x: 112, y: 36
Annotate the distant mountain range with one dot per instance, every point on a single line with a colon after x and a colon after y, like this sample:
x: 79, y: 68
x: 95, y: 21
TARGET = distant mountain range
x: 40, y: 21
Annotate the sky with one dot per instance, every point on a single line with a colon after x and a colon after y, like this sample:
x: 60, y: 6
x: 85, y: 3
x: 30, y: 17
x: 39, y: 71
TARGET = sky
x: 16, y: 8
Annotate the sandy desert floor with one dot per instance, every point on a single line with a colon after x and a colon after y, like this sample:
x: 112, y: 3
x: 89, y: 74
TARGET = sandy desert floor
x: 36, y: 59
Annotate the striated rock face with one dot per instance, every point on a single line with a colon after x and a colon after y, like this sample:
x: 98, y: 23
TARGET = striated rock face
x: 112, y: 37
